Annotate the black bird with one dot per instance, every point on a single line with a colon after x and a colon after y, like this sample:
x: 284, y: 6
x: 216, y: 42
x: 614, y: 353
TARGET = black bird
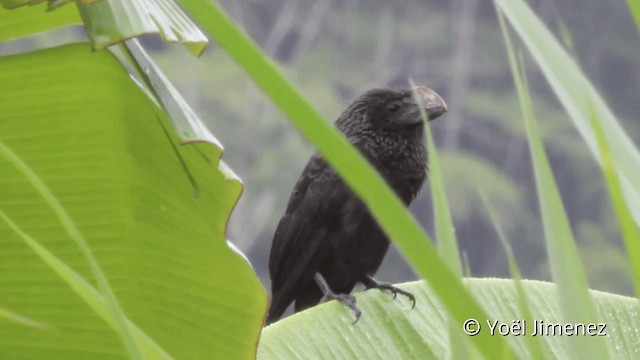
x: 327, y: 241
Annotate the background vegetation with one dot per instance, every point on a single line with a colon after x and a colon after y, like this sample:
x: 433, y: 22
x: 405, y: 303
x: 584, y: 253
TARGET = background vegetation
x: 334, y: 50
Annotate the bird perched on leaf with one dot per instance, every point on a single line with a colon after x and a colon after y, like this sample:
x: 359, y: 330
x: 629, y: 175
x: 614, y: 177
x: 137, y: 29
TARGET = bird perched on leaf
x: 327, y: 241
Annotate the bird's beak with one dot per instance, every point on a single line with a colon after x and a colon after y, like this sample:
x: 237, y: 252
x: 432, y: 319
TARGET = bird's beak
x: 433, y: 104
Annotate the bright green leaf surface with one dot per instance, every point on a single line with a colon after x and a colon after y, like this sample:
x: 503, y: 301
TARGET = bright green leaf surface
x: 11, y: 4
x: 114, y: 310
x: 52, y: 4
x: 188, y: 125
x: 29, y: 20
x: 389, y: 329
x: 135, y: 340
x: 153, y: 213
x: 112, y: 21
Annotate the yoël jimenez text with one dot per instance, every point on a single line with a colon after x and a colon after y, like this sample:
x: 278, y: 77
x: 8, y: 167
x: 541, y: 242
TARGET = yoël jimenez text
x: 542, y: 328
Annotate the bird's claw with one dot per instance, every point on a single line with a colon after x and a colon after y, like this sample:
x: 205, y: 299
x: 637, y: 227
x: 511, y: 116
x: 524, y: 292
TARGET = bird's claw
x: 372, y: 283
x: 395, y: 291
x: 347, y: 300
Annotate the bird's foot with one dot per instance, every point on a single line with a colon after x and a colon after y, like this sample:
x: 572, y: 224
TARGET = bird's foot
x: 346, y: 299
x: 371, y: 283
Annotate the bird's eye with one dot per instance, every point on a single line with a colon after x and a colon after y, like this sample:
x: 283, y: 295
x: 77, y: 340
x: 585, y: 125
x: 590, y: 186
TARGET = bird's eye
x: 394, y: 107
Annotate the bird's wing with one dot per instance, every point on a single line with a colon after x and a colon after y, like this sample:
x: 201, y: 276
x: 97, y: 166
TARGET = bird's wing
x: 305, y: 216
x: 313, y: 214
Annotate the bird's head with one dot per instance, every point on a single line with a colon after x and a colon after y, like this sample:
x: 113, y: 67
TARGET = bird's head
x: 392, y: 109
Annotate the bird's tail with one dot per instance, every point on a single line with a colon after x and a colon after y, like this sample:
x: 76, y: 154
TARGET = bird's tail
x: 276, y: 308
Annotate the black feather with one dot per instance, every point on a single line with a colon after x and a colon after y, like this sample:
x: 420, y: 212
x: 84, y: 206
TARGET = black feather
x: 326, y: 228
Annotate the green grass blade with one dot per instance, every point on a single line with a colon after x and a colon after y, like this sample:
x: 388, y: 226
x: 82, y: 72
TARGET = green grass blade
x: 533, y: 343
x: 634, y: 9
x: 629, y: 229
x: 20, y: 319
x: 578, y: 96
x: 566, y: 267
x: 458, y: 342
x: 390, y: 213
x: 68, y: 224
x: 445, y: 229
